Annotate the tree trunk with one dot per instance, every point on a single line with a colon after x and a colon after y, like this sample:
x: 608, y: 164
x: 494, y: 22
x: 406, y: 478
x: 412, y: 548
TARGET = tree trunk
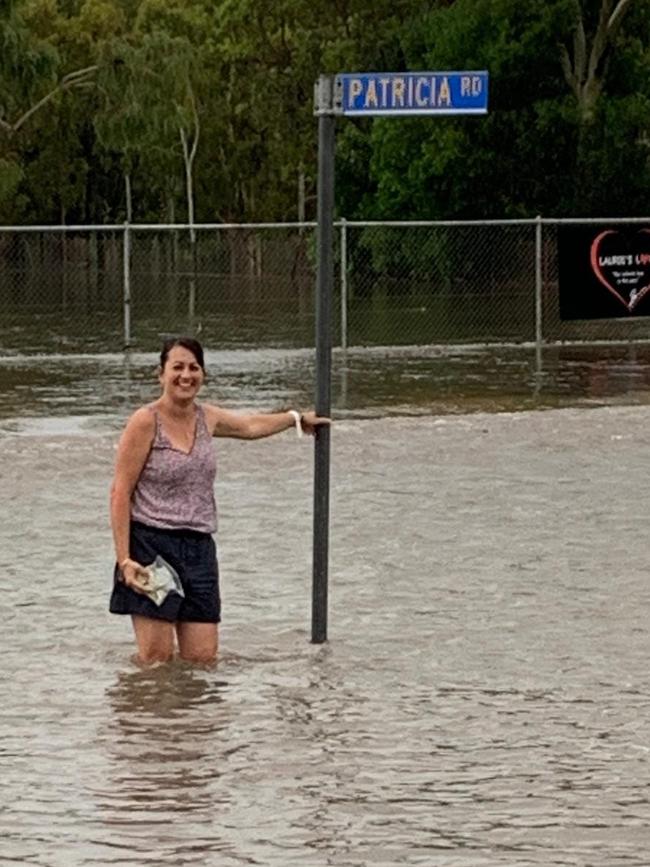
x: 127, y: 193
x: 189, y: 154
x: 586, y: 68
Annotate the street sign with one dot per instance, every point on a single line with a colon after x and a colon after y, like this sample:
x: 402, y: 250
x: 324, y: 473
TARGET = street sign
x: 383, y: 93
x: 411, y: 93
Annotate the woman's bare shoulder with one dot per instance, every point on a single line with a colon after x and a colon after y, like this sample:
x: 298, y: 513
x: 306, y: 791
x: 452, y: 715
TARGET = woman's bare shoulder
x: 143, y: 420
x: 136, y: 439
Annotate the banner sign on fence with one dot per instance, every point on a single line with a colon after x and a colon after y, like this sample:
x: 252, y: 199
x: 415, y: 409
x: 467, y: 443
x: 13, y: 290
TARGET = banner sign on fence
x: 604, y: 271
x: 404, y: 93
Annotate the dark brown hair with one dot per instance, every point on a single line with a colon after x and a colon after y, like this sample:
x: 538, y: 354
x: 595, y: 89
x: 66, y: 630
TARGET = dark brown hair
x: 188, y: 343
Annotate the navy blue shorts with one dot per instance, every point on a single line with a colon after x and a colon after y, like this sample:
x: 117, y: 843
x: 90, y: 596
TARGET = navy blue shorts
x: 193, y: 555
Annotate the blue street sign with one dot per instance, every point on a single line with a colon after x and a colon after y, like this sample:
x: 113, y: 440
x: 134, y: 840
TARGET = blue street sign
x: 404, y: 93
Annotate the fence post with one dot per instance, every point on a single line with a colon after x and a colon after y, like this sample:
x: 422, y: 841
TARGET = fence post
x: 344, y: 284
x: 539, y: 336
x: 126, y: 299
x: 191, y: 302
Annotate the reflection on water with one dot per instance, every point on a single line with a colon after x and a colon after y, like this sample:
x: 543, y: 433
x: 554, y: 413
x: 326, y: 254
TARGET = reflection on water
x: 158, y: 693
x: 484, y: 696
x: 365, y: 382
x: 166, y: 724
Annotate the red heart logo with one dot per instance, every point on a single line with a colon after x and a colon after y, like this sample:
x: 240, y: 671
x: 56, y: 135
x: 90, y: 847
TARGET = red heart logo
x: 623, y: 266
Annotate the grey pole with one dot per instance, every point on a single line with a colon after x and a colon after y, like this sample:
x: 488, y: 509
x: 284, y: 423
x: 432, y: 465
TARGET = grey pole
x: 344, y: 284
x: 191, y: 302
x: 539, y: 336
x: 324, y: 287
x: 126, y: 300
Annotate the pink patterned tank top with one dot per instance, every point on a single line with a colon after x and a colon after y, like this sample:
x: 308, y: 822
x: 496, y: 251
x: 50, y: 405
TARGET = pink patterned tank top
x: 176, y: 489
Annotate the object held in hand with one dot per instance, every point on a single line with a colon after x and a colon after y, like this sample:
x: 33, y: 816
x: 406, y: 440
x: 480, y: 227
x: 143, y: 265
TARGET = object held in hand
x: 162, y: 579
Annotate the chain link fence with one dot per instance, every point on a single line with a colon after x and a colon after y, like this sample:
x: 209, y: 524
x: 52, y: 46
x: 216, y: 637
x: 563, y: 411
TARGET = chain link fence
x: 61, y: 290
x: 239, y: 287
x: 100, y: 289
x: 439, y: 283
x: 93, y: 289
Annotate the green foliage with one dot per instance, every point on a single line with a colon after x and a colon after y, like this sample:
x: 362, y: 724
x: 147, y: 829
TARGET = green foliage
x: 530, y: 155
x: 10, y: 177
x: 235, y: 78
x: 144, y: 94
x: 28, y: 64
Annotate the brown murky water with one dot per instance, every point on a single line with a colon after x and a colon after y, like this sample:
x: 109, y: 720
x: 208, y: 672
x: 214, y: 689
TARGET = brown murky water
x: 484, y: 698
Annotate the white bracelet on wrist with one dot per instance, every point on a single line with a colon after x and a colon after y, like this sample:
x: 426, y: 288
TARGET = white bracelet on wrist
x: 297, y: 421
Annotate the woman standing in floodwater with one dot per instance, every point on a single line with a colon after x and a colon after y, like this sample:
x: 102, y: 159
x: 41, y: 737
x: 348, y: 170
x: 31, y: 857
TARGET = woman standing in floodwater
x: 162, y: 504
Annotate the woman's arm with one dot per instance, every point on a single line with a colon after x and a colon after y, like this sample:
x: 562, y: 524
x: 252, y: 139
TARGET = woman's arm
x: 254, y: 426
x: 132, y: 451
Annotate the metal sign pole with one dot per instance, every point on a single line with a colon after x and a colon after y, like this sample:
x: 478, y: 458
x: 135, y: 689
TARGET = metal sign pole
x: 324, y: 287
x: 370, y: 94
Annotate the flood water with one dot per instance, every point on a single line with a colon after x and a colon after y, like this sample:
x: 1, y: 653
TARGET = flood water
x: 484, y: 696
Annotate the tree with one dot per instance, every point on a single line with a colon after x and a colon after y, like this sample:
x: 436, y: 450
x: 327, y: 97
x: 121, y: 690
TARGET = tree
x: 207, y: 109
x: 586, y: 68
x: 150, y: 109
x: 29, y: 71
x: 530, y: 154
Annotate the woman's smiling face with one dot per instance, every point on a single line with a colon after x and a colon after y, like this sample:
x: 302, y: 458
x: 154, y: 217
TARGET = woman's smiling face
x: 182, y: 376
